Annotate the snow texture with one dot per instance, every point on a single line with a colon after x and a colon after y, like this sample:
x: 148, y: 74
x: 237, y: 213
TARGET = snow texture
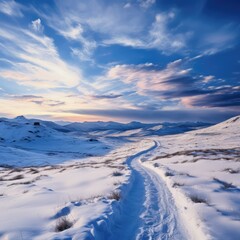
x: 119, y: 181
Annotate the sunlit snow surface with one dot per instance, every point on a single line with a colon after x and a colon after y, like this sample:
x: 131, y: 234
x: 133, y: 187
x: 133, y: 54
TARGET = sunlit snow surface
x: 202, y: 170
x: 187, y: 185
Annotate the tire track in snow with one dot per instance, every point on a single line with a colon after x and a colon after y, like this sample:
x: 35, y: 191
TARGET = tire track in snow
x: 160, y: 218
x: 128, y: 223
x: 148, y: 211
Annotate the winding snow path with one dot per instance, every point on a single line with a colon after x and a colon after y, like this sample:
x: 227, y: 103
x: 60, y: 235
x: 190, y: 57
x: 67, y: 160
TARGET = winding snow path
x: 148, y: 210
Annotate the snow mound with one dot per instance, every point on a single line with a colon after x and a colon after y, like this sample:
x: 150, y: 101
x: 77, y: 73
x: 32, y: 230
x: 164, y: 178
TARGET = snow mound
x: 21, y: 137
x: 231, y: 125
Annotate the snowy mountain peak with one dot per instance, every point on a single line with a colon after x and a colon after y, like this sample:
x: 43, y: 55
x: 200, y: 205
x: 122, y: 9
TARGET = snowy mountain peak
x: 20, y: 118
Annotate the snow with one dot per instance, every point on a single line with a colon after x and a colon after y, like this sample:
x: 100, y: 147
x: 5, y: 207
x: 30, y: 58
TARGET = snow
x: 133, y: 129
x: 203, y: 166
x: 79, y: 189
x: 24, y: 143
x: 182, y: 186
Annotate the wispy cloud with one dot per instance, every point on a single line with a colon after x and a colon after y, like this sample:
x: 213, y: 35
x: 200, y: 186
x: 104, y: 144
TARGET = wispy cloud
x: 159, y: 36
x: 208, y: 78
x: 75, y: 32
x: 164, y: 38
x: 84, y: 53
x: 174, y: 78
x: 109, y: 96
x: 108, y: 20
x: 146, y: 3
x: 25, y: 97
x: 163, y: 115
x: 35, y: 60
x: 37, y: 25
x: 92, y: 57
x: 11, y: 8
x: 40, y: 100
x: 223, y: 97
x: 169, y: 30
x: 175, y: 82
x: 71, y: 27
x: 218, y: 40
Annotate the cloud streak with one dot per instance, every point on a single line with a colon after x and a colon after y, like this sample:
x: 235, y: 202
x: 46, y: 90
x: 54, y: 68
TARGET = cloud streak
x: 35, y: 60
x: 144, y: 79
x: 107, y: 96
x: 11, y: 8
x: 221, y: 98
x: 161, y: 115
x: 175, y: 82
x: 142, y: 57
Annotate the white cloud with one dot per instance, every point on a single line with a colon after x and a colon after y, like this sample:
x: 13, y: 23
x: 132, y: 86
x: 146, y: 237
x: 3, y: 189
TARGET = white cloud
x: 219, y: 39
x: 92, y: 18
x: 125, y: 41
x: 159, y: 36
x: 95, y: 16
x: 11, y: 8
x: 133, y: 24
x: 162, y: 38
x: 146, y: 3
x: 36, y: 60
x: 207, y: 79
x: 37, y: 25
x: 127, y: 5
x: 144, y: 79
x: 73, y: 31
x: 85, y: 52
x: 69, y: 31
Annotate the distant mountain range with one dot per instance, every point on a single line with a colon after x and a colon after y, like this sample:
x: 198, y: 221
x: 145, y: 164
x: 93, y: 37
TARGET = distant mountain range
x: 37, y: 142
x: 135, y: 129
x: 111, y: 128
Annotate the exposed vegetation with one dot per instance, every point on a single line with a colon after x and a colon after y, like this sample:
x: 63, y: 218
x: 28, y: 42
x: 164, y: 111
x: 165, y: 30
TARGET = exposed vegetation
x: 115, y: 195
x: 176, y: 184
x: 117, y: 174
x: 198, y: 199
x: 62, y: 224
x: 169, y: 174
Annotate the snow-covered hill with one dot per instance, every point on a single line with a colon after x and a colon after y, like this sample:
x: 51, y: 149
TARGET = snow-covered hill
x: 134, y: 182
x: 229, y: 126
x: 202, y: 170
x: 44, y: 136
x: 25, y: 139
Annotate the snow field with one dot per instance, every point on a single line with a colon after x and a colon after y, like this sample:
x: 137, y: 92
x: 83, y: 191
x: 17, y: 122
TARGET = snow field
x: 201, y: 169
x: 33, y: 199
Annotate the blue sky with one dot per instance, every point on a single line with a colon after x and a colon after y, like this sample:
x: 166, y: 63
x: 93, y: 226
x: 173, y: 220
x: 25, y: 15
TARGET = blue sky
x: 144, y: 60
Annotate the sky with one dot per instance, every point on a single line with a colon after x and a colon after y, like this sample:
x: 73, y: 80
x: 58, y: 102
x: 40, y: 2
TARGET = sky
x: 130, y: 60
